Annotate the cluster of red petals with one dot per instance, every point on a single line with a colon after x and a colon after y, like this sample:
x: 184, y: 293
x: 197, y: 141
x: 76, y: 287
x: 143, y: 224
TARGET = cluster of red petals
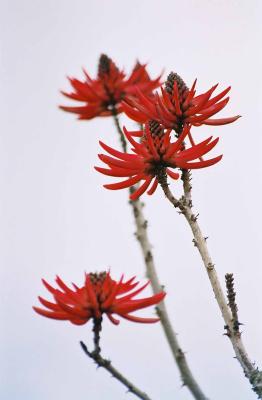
x: 99, y: 295
x: 105, y: 93
x: 152, y: 156
x: 178, y: 105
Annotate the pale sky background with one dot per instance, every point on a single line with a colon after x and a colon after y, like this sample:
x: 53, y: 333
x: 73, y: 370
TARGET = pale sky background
x: 56, y: 218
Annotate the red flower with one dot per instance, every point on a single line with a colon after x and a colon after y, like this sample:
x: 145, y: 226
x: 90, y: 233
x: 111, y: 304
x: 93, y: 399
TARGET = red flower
x: 103, y: 96
x: 153, y: 157
x: 178, y: 106
x: 99, y: 295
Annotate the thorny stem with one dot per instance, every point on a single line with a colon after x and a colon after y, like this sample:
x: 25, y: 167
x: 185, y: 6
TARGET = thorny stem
x: 250, y: 370
x: 119, y: 130
x: 102, y: 362
x: 97, y: 329
x: 231, y: 295
x: 146, y: 247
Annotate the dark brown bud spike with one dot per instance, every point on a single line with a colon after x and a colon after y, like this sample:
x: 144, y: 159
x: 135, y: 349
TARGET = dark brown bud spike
x: 97, y: 277
x: 104, y: 65
x: 155, y: 128
x: 169, y: 84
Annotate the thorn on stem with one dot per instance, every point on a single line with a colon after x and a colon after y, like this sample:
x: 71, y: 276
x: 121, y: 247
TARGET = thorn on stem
x: 194, y: 217
x: 195, y: 242
x: 145, y: 224
x: 210, y: 266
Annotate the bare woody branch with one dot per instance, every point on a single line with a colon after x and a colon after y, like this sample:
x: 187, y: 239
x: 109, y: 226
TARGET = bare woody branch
x: 231, y: 295
x: 250, y: 370
x: 106, y: 364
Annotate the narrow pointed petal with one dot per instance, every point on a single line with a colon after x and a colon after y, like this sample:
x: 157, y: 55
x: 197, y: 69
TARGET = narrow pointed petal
x: 218, y: 97
x: 124, y: 184
x: 173, y: 175
x: 221, y: 121
x: 117, y: 172
x: 112, y: 319
x: 139, y: 319
x: 116, y: 153
x: 132, y: 294
x: 48, y: 304
x: 51, y: 314
x: 72, y: 310
x: 196, y: 151
x: 176, y: 145
x: 134, y: 305
x: 135, y: 115
x: 135, y: 195
x: 200, y: 164
x: 153, y: 187
x: 107, y: 303
x: 91, y: 293
x: 110, y: 161
x: 202, y: 102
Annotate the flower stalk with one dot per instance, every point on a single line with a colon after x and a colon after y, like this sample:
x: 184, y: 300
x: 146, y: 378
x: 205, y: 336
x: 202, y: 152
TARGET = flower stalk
x: 106, y: 364
x: 97, y: 328
x: 119, y: 130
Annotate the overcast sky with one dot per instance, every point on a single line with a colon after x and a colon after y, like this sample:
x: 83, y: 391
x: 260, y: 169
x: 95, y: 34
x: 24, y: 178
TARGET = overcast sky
x: 56, y: 218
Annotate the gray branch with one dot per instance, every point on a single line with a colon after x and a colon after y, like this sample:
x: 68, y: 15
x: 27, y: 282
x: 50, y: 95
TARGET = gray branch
x: 106, y: 364
x: 250, y: 370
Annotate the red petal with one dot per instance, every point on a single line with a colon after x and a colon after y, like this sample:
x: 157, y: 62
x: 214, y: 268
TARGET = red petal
x: 151, y: 144
x: 208, y: 112
x: 199, y: 98
x: 134, y: 305
x: 139, y: 319
x: 190, y: 95
x: 51, y: 314
x: 196, y: 151
x: 153, y: 187
x: 91, y: 293
x: 132, y: 294
x: 112, y: 319
x: 48, y: 304
x: 134, y: 196
x: 116, y: 153
x: 173, y: 175
x: 201, y: 164
x: 199, y: 105
x: 49, y: 287
x: 117, y: 172
x: 176, y: 145
x: 124, y: 184
x: 134, y: 164
x: 76, y: 312
x: 135, y: 115
x: 218, y: 97
x: 149, y: 103
x: 220, y: 121
x: 108, y: 302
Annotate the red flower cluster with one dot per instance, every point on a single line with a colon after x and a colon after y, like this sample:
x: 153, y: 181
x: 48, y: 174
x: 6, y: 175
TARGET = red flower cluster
x: 178, y: 105
x: 99, y: 295
x: 153, y: 157
x: 103, y: 96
